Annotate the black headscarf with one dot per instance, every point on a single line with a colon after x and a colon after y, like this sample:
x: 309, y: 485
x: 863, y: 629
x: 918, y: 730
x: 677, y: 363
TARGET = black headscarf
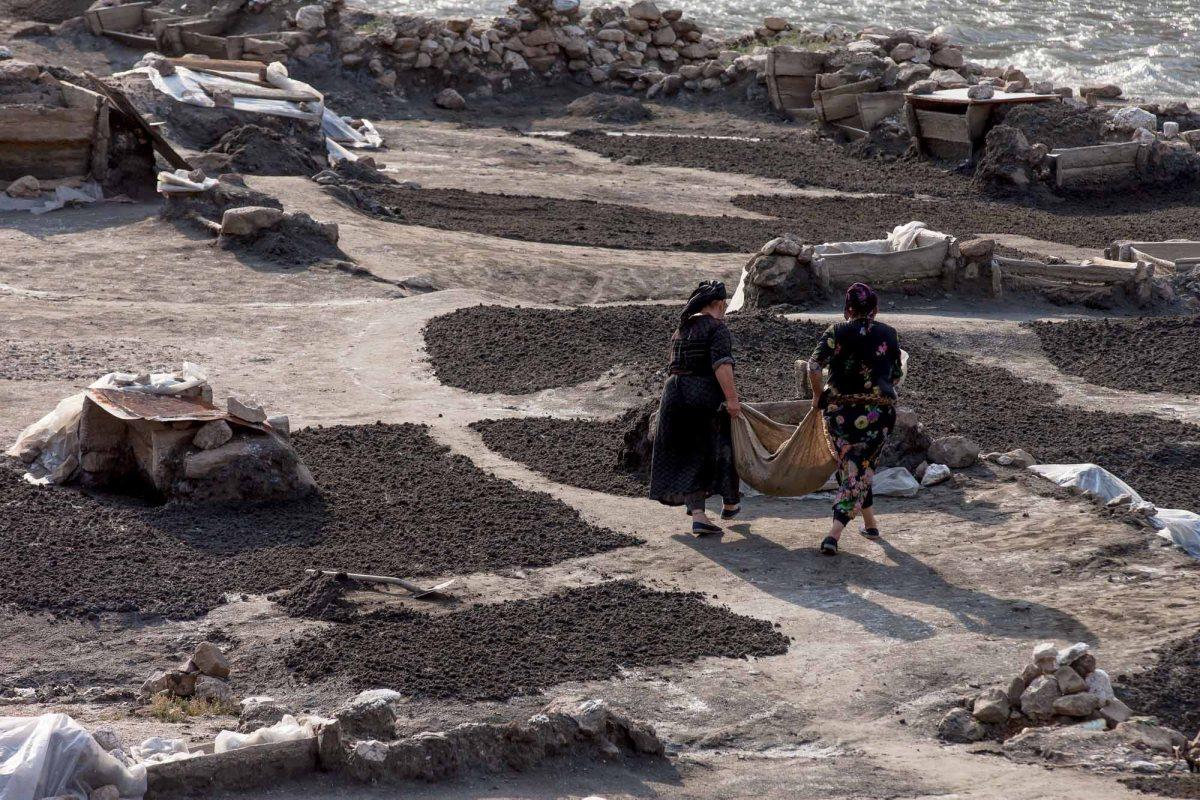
x: 861, y: 301
x: 707, y: 292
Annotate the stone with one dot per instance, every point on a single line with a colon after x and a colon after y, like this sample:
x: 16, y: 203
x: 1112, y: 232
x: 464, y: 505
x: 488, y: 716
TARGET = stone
x: 450, y: 99
x: 1170, y: 129
x: 1069, y: 681
x: 1099, y: 684
x: 539, y: 37
x: 107, y: 739
x: 260, y: 712
x: 19, y: 71
x: 982, y: 91
x: 173, y: 681
x: 1105, y: 91
x: 935, y: 474
x: 108, y: 792
x: 1131, y: 118
x: 923, y: 87
x: 214, y: 690
x: 27, y: 187
x: 249, y: 220
x: 1141, y: 732
x: 948, y: 79
x: 645, y: 10
x: 209, y: 660
x: 949, y: 57
x: 247, y: 410
x: 978, y: 250
x: 212, y: 434
x: 1114, y: 712
x: 992, y: 707
x: 786, y: 245
x: 1068, y: 655
x: 956, y: 452
x: 1037, y: 701
x: 960, y: 727
x: 776, y: 24
x: 1016, y: 688
x: 1085, y: 665
x: 370, y: 715
x: 1045, y: 656
x: 903, y: 52
x: 310, y: 18
x: 281, y: 424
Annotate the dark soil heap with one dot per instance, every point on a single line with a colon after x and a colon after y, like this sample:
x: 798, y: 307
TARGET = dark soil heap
x: 255, y: 150
x: 609, y: 108
x: 1154, y: 354
x: 1170, y: 688
x: 322, y: 597
x: 555, y: 220
x: 952, y: 394
x: 1055, y: 124
x: 493, y: 652
x: 392, y: 501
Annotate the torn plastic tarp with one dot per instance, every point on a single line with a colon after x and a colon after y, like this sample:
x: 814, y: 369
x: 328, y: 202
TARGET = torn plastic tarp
x: 54, y: 756
x: 88, y: 192
x: 1175, y: 525
x: 181, y: 182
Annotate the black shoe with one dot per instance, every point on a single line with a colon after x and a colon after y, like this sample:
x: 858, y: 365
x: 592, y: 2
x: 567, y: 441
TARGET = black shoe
x: 871, y: 533
x: 829, y: 546
x: 702, y: 528
x: 730, y: 513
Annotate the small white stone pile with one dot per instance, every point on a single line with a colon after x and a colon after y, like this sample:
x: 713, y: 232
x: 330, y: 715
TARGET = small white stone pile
x: 204, y: 676
x: 1060, y: 687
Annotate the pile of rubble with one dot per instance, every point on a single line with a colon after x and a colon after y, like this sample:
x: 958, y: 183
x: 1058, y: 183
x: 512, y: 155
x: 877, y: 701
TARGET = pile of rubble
x: 203, y: 676
x: 1059, y: 687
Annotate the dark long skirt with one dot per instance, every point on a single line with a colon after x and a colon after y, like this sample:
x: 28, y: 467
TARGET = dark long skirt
x: 693, y: 447
x: 857, y: 434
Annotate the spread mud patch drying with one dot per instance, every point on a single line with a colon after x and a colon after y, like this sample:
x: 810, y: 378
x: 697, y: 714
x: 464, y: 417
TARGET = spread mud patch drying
x: 1156, y: 354
x: 392, y: 501
x: 493, y: 652
x: 1170, y: 688
x: 1160, y: 458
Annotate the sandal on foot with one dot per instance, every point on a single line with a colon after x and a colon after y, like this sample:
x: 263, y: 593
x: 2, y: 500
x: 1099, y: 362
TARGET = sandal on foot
x: 871, y: 533
x: 701, y: 528
x: 829, y: 546
x: 730, y: 513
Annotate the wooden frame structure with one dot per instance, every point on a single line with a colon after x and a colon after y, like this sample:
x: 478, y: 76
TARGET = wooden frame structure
x: 792, y: 78
x: 1135, y: 277
x: 1103, y: 162
x: 51, y: 142
x: 140, y: 24
x: 950, y: 125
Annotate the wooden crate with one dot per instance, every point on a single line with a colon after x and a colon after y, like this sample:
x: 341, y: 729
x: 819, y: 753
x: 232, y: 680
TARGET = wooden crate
x: 841, y: 104
x: 50, y: 142
x: 925, y: 262
x: 950, y: 125
x: 791, y: 78
x: 1104, y: 162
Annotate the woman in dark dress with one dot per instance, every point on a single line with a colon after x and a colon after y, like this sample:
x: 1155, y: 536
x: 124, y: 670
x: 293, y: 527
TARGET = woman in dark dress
x: 863, y: 357
x: 693, y: 447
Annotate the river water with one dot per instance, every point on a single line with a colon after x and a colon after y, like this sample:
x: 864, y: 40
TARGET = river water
x: 1149, y: 47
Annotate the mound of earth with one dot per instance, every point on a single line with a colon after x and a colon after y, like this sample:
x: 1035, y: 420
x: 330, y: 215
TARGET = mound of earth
x: 952, y: 394
x: 296, y: 241
x: 554, y: 220
x: 1170, y: 688
x: 255, y: 150
x: 391, y: 501
x: 322, y: 597
x: 609, y: 108
x: 1055, y: 124
x: 497, y: 651
x: 1154, y: 354
x: 798, y: 159
x: 43, y: 10
x: 1185, y: 785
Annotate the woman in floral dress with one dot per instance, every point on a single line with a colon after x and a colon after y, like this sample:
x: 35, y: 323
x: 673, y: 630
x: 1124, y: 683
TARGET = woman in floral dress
x: 863, y: 357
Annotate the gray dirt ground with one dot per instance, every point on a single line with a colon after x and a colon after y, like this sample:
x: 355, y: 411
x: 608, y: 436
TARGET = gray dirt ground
x: 962, y: 585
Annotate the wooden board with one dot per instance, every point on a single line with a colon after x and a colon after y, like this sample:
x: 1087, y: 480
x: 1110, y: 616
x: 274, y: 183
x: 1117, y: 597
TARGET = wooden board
x: 1166, y: 254
x: 135, y: 40
x: 1096, y: 155
x: 841, y: 103
x: 1108, y: 272
x: 122, y: 104
x: 875, y: 106
x: 223, y: 65
x: 784, y: 62
x: 127, y: 18
x: 201, y: 44
x: 941, y: 125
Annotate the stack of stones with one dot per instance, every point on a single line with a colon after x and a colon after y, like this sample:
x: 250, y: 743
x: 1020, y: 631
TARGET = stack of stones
x: 1060, y: 687
x: 782, y: 273
x: 204, y: 676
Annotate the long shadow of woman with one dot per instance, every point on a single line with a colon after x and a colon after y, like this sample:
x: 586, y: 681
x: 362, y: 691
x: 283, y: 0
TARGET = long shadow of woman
x: 807, y: 579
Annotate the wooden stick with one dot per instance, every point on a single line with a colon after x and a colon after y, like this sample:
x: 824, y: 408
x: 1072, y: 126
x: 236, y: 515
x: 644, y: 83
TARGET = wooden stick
x: 416, y: 590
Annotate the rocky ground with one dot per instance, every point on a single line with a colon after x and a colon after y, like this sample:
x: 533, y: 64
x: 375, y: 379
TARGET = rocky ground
x: 464, y: 312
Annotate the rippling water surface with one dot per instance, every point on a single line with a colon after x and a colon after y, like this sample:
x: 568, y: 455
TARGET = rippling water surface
x: 1149, y: 47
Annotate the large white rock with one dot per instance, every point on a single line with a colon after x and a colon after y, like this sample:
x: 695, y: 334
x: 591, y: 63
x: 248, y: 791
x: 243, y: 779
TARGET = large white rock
x: 1131, y: 118
x: 247, y: 410
x: 27, y: 187
x: 991, y: 707
x: 248, y: 220
x: 935, y: 474
x: 956, y: 452
x: 1037, y: 702
x: 1099, y: 684
x: 214, y: 690
x: 209, y: 660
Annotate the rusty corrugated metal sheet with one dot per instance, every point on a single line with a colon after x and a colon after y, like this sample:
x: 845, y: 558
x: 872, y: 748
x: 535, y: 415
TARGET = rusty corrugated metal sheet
x: 156, y: 407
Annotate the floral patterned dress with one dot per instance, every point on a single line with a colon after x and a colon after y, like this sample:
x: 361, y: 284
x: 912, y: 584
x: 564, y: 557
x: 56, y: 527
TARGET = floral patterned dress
x: 863, y: 357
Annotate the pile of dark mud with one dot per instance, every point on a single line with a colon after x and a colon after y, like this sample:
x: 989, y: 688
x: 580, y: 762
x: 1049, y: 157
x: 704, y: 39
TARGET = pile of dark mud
x: 497, y: 651
x: 554, y: 220
x: 1083, y: 221
x: 1184, y: 785
x: 391, y: 501
x: 1055, y: 124
x: 799, y: 159
x: 321, y: 596
x: 574, y: 452
x: 255, y: 150
x: 1170, y: 688
x: 1153, y: 354
x: 953, y: 394
x: 609, y: 108
x: 46, y: 360
x: 297, y: 241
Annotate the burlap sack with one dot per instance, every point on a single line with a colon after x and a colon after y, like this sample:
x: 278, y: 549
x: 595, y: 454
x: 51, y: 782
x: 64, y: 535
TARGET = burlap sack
x: 778, y: 458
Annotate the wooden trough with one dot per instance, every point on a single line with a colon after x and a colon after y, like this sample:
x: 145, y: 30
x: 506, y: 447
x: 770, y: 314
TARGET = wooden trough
x: 50, y: 141
x: 1135, y: 277
x: 792, y: 78
x: 1101, y: 163
x: 950, y: 125
x: 929, y: 260
x: 144, y: 26
x: 1172, y: 255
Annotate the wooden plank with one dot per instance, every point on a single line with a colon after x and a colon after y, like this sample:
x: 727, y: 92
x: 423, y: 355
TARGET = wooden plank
x: 222, y: 65
x: 851, y: 131
x: 940, y: 125
x: 126, y: 17
x: 46, y: 124
x: 122, y: 104
x: 1165, y: 253
x: 1108, y: 273
x: 785, y: 62
x: 875, y: 106
x: 805, y: 83
x: 134, y: 40
x: 858, y: 87
x: 1096, y: 155
x: 207, y: 26
x: 1100, y: 173
x: 200, y: 44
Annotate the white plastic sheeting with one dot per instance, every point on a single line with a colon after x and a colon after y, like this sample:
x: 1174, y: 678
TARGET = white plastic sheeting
x: 286, y: 730
x: 180, y: 182
x: 1175, y: 525
x: 88, y: 192
x: 895, y: 482
x: 53, y: 756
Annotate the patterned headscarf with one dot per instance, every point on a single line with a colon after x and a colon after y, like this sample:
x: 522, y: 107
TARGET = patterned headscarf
x: 707, y: 292
x: 861, y: 301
